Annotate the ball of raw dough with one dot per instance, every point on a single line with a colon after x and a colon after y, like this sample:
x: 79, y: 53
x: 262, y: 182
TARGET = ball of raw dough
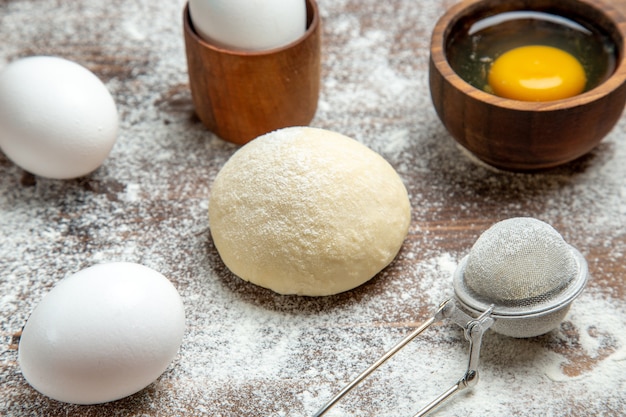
x: 307, y: 211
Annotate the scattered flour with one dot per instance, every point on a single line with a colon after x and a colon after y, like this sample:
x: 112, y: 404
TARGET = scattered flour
x: 247, y: 351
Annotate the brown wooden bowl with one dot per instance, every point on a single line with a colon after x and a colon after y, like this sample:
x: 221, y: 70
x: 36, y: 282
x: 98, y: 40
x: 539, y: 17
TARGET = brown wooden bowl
x: 240, y: 95
x: 518, y: 135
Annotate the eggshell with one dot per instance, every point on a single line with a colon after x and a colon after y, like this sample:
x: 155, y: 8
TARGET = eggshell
x: 102, y: 334
x: 57, y: 119
x: 249, y: 24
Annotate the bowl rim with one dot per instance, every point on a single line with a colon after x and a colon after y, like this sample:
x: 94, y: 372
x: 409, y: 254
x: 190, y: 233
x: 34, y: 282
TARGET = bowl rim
x: 313, y: 22
x: 438, y: 56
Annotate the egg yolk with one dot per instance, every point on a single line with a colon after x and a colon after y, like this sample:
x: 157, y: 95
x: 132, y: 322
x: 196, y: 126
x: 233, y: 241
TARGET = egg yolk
x: 537, y: 73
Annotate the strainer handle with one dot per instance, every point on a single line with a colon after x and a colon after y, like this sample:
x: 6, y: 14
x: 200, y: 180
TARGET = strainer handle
x: 474, y: 330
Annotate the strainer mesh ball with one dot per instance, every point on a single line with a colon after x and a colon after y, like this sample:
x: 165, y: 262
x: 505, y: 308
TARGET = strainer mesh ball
x: 519, y: 263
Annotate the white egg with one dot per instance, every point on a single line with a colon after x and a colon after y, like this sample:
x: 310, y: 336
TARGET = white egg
x: 57, y: 119
x: 251, y: 25
x: 102, y: 334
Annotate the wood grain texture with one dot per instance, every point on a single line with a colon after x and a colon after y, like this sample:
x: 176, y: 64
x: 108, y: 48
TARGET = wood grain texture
x: 248, y: 351
x: 519, y: 135
x: 242, y: 95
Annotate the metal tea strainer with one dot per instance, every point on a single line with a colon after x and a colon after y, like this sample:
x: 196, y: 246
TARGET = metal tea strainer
x: 519, y: 279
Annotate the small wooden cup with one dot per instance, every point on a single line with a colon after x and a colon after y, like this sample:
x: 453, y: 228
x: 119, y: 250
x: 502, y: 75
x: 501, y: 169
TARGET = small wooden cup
x: 518, y: 135
x: 240, y: 95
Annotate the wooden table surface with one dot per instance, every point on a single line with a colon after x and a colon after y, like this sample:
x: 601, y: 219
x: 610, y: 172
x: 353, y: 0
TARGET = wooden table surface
x: 248, y: 351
